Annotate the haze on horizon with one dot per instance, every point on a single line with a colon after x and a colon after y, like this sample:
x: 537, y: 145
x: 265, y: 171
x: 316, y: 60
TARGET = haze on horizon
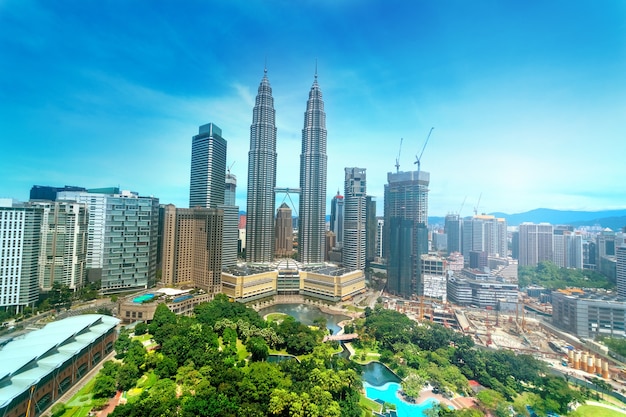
x: 528, y: 100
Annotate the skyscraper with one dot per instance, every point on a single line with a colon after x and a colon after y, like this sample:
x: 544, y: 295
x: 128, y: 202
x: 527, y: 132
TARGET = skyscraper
x: 19, y: 251
x: 452, y: 228
x: 230, y: 240
x: 535, y: 243
x: 261, y: 177
x: 353, y: 255
x: 284, y: 232
x: 484, y: 233
x: 406, y: 234
x: 313, y: 159
x: 63, y: 250
x: 122, y: 237
x: 208, y: 167
x: 192, y: 247
x: 336, y: 218
x: 620, y: 253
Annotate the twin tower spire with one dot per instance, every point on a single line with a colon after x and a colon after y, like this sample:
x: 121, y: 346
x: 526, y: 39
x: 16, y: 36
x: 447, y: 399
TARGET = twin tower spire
x: 262, y: 159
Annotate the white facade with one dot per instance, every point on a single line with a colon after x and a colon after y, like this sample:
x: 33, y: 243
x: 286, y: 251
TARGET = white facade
x: 19, y: 252
x: 354, y: 242
x: 96, y: 211
x: 62, y: 255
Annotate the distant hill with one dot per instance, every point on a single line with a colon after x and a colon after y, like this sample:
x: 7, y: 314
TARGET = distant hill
x: 613, y: 219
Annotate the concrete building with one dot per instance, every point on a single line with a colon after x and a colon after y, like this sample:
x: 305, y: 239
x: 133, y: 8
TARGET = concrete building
x: 370, y: 229
x: 535, y: 243
x: 283, y: 232
x: 406, y: 234
x: 313, y: 161
x: 63, y: 250
x: 481, y: 290
x: 141, y: 307
x: 620, y: 268
x: 230, y: 229
x: 453, y: 228
x: 262, y: 160
x: 354, y: 223
x: 485, y: 233
x: 96, y: 202
x: 380, y: 225
x: 20, y: 237
x: 247, y: 283
x: 336, y: 218
x: 434, y: 276
x: 39, y: 367
x: 589, y: 314
x: 192, y: 247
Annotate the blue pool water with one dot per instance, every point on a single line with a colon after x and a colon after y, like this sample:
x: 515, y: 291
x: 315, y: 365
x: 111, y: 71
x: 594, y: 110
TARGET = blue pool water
x: 388, y: 394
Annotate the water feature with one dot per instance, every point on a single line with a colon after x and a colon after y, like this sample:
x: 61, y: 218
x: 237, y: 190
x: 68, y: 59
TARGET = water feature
x: 382, y: 384
x: 389, y: 394
x: 306, y: 314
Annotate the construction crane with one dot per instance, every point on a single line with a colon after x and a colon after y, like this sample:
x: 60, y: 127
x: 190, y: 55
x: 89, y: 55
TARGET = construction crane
x: 398, y: 158
x: 462, y: 205
x: 418, y: 159
x: 230, y: 167
x: 477, y: 204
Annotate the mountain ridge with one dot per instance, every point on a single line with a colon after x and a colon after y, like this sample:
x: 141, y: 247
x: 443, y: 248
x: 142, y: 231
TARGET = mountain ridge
x: 613, y: 219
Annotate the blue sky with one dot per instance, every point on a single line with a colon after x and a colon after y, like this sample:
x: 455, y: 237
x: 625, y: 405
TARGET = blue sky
x: 528, y: 99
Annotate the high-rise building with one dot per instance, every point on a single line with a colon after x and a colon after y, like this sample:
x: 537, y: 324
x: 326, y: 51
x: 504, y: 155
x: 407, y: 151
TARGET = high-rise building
x: 261, y: 177
x: 370, y: 229
x: 63, y: 250
x: 336, y: 218
x: 620, y: 253
x: 230, y: 241
x: 354, y: 243
x: 192, y: 247
x: 380, y: 226
x: 535, y: 243
x: 313, y: 160
x: 122, y: 240
x: 208, y: 167
x: 453, y: 229
x: 20, y: 234
x: 485, y: 233
x: 284, y: 232
x: 406, y: 233
x: 96, y: 213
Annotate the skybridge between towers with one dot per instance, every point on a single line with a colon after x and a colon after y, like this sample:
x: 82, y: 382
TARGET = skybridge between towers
x: 287, y: 192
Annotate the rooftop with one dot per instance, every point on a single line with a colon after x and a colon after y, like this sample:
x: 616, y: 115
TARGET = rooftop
x: 25, y: 360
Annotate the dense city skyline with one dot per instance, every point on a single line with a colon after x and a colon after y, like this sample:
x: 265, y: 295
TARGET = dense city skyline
x: 527, y: 101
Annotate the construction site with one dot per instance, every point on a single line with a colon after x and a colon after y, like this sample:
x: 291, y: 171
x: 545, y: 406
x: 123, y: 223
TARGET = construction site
x: 523, y: 330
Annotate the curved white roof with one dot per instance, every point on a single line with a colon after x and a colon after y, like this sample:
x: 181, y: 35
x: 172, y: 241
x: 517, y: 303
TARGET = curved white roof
x: 27, y: 359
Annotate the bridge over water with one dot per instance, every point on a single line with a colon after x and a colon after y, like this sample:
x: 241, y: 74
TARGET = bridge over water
x: 342, y: 337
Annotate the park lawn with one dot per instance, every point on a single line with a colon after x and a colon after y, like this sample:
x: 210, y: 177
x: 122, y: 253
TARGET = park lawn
x: 276, y: 317
x: 354, y: 308
x: 84, y: 396
x: 242, y: 353
x: 143, y: 337
x: 77, y: 411
x: 596, y: 411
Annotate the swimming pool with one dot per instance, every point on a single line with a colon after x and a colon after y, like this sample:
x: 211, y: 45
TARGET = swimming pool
x: 389, y: 394
x: 143, y: 298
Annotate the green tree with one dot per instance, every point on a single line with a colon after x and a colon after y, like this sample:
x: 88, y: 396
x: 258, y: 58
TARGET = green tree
x: 258, y: 349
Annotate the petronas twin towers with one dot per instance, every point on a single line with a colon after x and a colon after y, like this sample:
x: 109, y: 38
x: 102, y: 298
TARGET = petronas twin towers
x: 262, y: 179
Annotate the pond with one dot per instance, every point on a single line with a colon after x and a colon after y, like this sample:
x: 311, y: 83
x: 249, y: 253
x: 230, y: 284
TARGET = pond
x: 306, y: 314
x: 382, y: 384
